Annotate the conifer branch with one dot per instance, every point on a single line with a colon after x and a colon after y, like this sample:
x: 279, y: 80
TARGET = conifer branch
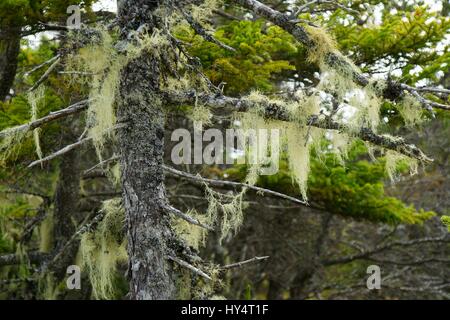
x: 277, y: 111
x: 332, y: 58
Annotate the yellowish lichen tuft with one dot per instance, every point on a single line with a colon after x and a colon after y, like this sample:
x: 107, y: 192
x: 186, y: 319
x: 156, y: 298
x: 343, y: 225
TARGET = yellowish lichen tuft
x: 193, y: 235
x: 201, y: 13
x: 102, y: 250
x: 201, y: 114
x: 299, y: 156
x: 11, y: 142
x: 34, y: 99
x: 411, y: 111
x: 103, y: 64
x: 323, y: 44
x: 47, y: 288
x: 394, y: 159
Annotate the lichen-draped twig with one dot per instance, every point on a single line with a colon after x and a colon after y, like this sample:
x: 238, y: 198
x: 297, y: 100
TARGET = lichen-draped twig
x: 85, y: 227
x: 242, y: 263
x: 428, y: 104
x: 190, y: 267
x: 221, y: 183
x: 186, y: 217
x: 67, y: 149
x: 300, y: 34
x: 276, y: 110
x: 202, y: 32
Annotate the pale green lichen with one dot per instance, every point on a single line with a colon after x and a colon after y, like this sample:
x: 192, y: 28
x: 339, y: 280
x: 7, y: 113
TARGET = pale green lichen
x: 323, y: 44
x: 104, y: 64
x: 102, y: 250
x: 411, y: 111
x: 394, y: 159
x: 201, y: 114
x: 193, y: 235
x: 298, y: 148
x: 11, y: 142
x: 34, y: 99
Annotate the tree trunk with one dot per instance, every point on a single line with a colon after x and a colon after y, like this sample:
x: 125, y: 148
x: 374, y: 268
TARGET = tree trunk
x: 141, y: 157
x: 9, y: 50
x: 67, y: 197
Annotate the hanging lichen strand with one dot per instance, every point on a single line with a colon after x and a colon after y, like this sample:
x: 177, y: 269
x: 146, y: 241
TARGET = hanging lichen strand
x: 34, y: 98
x: 102, y: 250
x: 101, y: 65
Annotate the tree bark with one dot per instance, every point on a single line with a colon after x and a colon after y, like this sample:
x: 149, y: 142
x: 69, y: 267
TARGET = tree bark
x: 9, y: 51
x: 141, y: 145
x: 67, y: 197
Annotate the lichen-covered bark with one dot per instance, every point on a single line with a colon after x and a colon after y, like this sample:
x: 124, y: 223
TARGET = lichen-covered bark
x: 141, y: 157
x: 9, y: 50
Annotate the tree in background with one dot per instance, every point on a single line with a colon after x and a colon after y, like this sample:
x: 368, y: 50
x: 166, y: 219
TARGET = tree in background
x: 160, y: 58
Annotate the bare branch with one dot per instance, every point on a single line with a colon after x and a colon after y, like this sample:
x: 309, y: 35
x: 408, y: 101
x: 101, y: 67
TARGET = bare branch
x: 75, y: 108
x: 221, y: 183
x: 226, y: 15
x: 60, y: 152
x: 100, y: 164
x: 45, y: 75
x: 43, y: 65
x: 242, y: 263
x: 190, y: 267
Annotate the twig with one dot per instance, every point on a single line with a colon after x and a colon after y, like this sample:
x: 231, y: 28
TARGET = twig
x: 202, y: 32
x: 100, y: 164
x: 75, y: 108
x: 42, y: 65
x: 242, y: 263
x: 60, y: 152
x: 190, y: 267
x: 45, y: 75
x: 220, y: 183
x: 186, y: 217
